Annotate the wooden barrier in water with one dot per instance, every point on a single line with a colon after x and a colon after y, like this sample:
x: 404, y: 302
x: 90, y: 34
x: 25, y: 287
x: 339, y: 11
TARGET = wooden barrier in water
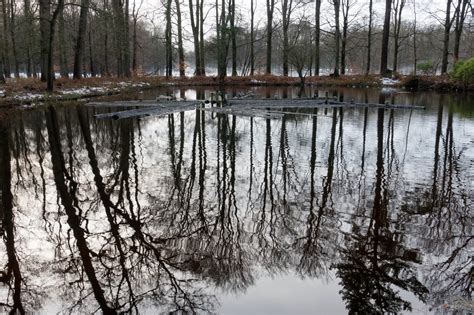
x: 266, y: 108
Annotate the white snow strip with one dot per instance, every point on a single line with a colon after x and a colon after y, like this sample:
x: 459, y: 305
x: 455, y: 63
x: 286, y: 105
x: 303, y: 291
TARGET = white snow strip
x: 28, y: 97
x: 388, y: 81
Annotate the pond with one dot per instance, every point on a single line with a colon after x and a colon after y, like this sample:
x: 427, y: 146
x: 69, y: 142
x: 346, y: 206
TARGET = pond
x: 323, y: 211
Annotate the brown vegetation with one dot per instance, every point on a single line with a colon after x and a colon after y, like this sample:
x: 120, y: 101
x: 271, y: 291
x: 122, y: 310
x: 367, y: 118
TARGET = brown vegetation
x: 113, y: 85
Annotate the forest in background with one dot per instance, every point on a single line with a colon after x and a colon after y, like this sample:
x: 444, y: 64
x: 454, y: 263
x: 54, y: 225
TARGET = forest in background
x: 79, y: 38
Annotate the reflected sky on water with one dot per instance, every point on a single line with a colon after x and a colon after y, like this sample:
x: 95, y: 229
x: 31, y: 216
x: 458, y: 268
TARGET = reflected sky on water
x: 325, y: 211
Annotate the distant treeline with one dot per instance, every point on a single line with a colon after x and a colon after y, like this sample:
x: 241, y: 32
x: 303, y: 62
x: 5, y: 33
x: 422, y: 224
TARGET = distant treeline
x: 120, y: 37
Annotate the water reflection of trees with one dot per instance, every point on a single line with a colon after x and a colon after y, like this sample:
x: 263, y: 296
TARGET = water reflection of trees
x: 142, y: 221
x: 108, y: 250
x: 374, y: 261
x: 317, y: 242
x: 444, y: 212
x: 11, y: 275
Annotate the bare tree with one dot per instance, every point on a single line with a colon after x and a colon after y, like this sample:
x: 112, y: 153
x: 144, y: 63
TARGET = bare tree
x: 5, y: 41
x: 347, y: 5
x: 196, y: 27
x: 28, y: 16
x: 337, y: 36
x: 299, y: 56
x: 270, y: 10
x: 459, y: 18
x: 233, y: 36
x: 105, y: 19
x: 448, y: 22
x: 63, y: 68
x: 13, y: 35
x: 252, y: 36
x: 79, y: 48
x: 385, y: 38
x: 47, y: 28
x: 182, y: 64
x: 369, y: 37
x: 286, y: 10
x: 168, y: 43
x: 202, y: 61
x: 120, y: 23
x: 223, y: 17
x: 135, y: 17
x: 397, y: 14
x: 415, y: 58
x: 317, y: 37
x: 2, y: 50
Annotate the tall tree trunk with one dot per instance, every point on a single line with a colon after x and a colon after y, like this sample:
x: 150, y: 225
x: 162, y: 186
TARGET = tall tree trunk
x: 80, y: 40
x: 168, y: 43
x: 233, y: 38
x: 29, y: 29
x: 118, y: 35
x: 400, y: 4
x: 13, y: 37
x: 6, y: 42
x: 317, y: 38
x: 385, y: 38
x: 120, y: 14
x: 461, y: 12
x: 415, y: 57
x: 218, y: 34
x: 52, y: 25
x: 369, y: 37
x: 44, y: 17
x: 126, y: 40
x: 202, y: 60
x: 447, y: 29
x: 91, y: 56
x: 2, y: 75
x: 345, y: 25
x: 62, y: 48
x: 195, y: 22
x: 337, y: 9
x: 222, y: 41
x: 134, y: 41
x: 252, y: 38
x: 182, y: 65
x: 286, y: 8
x: 106, y: 40
x: 270, y: 9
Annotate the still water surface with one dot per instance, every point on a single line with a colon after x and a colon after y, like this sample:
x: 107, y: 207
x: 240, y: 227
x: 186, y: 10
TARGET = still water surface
x: 336, y: 211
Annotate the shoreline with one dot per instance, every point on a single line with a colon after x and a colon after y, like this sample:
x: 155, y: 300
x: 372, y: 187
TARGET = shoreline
x: 30, y: 91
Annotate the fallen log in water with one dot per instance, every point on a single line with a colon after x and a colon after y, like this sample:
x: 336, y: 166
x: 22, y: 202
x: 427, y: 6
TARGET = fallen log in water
x: 311, y: 103
x: 245, y: 112
x: 144, y: 103
x: 387, y: 106
x: 155, y: 111
x: 266, y: 108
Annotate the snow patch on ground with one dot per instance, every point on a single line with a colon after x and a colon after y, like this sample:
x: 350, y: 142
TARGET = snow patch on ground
x: 107, y: 87
x: 253, y: 81
x: 101, y: 90
x: 133, y: 84
x: 84, y: 91
x: 389, y: 82
x: 28, y: 96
